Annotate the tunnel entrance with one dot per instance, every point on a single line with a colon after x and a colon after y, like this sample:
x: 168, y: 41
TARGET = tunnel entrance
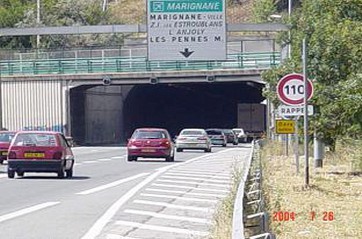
x: 109, y: 114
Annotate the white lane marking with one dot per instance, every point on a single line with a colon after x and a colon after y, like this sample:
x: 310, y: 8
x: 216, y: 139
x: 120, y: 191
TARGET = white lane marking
x: 177, y: 197
x: 103, y: 160
x: 186, y: 182
x: 166, y: 216
x: 94, y: 150
x: 77, y: 164
x: 161, y: 228
x: 113, y: 184
x: 197, y: 179
x: 118, y: 157
x: 27, y: 211
x: 199, y: 176
x: 186, y: 192
x: 89, y: 162
x: 98, y: 226
x: 198, y: 172
x: 3, y: 175
x: 189, y: 187
x: 170, y: 205
x: 114, y: 236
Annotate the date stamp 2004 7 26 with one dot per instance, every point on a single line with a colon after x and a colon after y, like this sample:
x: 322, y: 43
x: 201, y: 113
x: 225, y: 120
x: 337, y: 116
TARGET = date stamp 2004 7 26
x: 284, y: 216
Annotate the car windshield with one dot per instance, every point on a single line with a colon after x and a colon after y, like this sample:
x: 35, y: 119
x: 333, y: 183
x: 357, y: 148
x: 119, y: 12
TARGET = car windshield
x: 34, y: 139
x: 6, y: 137
x: 227, y: 131
x: 149, y: 135
x: 191, y: 132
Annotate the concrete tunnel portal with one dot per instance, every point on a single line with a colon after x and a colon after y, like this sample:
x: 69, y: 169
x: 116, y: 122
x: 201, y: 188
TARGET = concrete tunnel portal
x: 109, y: 114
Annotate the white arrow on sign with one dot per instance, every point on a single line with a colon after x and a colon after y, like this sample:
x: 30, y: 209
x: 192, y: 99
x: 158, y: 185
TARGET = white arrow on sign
x: 286, y: 110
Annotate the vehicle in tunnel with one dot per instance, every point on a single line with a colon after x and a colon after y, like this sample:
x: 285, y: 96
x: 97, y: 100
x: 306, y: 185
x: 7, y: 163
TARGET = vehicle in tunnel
x: 150, y: 143
x: 217, y: 137
x: 230, y: 136
x: 5, y: 140
x: 40, y: 152
x: 193, y: 138
x: 241, y: 135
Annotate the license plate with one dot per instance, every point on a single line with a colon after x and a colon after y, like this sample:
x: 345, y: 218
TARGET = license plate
x: 4, y: 153
x: 34, y: 155
x: 148, y: 150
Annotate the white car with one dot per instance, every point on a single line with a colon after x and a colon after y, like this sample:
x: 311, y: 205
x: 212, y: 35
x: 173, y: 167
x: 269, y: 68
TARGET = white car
x: 242, y: 137
x: 193, y: 139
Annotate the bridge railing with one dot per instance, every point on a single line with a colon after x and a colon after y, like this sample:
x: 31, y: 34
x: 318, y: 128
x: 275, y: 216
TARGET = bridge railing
x: 134, y: 64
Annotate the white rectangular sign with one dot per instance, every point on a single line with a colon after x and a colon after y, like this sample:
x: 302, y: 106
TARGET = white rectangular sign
x: 186, y: 30
x: 286, y: 110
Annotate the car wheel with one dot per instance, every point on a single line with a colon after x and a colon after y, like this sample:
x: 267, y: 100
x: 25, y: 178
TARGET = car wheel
x: 69, y: 173
x: 208, y: 150
x: 11, y: 173
x: 170, y: 158
x: 1, y: 161
x: 224, y: 145
x: 179, y: 150
x: 61, y: 174
x: 131, y: 158
x: 235, y: 143
x: 20, y: 173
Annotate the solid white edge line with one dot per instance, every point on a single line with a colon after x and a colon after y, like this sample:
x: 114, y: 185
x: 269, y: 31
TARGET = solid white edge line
x: 166, y: 216
x: 26, y: 211
x: 161, y: 228
x: 113, y: 184
x: 97, y: 227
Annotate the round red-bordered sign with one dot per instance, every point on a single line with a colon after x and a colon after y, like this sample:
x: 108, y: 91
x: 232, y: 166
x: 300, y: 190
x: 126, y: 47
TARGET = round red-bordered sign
x: 290, y: 89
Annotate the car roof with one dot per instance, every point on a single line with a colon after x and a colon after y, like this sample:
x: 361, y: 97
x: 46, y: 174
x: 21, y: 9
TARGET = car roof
x: 200, y: 129
x: 38, y: 132
x: 151, y: 129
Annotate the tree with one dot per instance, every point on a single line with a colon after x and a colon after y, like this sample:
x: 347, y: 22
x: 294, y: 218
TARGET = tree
x: 333, y: 29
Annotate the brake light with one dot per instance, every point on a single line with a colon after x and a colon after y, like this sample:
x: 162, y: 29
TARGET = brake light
x: 57, y: 155
x: 165, y: 143
x: 12, y: 155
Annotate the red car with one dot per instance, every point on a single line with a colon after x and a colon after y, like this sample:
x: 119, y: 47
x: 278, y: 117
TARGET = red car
x: 5, y: 140
x: 40, y: 151
x: 150, y: 143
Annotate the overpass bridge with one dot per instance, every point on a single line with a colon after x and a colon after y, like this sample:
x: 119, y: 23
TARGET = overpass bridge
x: 100, y: 97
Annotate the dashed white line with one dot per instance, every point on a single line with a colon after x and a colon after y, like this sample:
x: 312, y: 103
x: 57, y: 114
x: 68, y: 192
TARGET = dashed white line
x: 104, y: 160
x: 90, y: 162
x: 177, y: 197
x: 166, y: 216
x: 27, y: 211
x: 189, y: 187
x: 118, y: 157
x: 161, y: 228
x: 113, y: 184
x: 170, y: 205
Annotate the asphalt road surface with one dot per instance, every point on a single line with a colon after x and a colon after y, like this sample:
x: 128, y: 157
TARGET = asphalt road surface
x: 110, y: 198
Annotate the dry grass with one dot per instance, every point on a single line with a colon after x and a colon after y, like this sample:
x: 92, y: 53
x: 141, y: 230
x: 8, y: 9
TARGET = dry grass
x: 333, y: 189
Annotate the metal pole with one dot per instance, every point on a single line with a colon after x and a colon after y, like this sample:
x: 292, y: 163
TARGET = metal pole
x: 306, y: 153
x: 1, y: 103
x: 38, y: 22
x: 296, y: 146
x: 289, y: 34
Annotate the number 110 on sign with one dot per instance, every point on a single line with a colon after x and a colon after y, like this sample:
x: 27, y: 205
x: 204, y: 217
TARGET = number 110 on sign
x: 290, y: 89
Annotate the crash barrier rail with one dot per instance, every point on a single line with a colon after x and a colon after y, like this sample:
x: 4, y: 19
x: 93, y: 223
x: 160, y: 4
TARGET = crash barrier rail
x: 134, y: 64
x: 250, y: 196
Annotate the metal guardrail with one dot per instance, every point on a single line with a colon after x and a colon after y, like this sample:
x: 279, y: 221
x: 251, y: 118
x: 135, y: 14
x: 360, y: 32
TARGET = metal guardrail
x: 254, y: 198
x: 133, y: 64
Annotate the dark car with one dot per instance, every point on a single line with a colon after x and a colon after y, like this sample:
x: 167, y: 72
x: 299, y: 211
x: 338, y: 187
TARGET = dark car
x: 40, y: 151
x: 150, y: 143
x: 5, y: 140
x: 217, y: 136
x: 231, y: 136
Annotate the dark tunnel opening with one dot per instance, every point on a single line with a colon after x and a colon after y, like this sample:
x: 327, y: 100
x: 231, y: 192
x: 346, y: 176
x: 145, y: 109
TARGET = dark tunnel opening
x: 170, y: 106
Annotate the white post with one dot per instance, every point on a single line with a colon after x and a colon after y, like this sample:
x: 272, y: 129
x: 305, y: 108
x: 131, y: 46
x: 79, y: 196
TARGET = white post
x: 38, y: 22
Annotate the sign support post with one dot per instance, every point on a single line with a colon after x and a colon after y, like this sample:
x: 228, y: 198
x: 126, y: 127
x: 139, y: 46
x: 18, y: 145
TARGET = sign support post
x: 306, y: 151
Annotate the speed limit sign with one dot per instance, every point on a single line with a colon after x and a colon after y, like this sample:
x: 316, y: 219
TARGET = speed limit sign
x: 290, y: 89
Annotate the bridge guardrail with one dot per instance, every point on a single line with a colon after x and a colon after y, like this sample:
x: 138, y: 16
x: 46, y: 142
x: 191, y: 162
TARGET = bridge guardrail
x: 251, y: 196
x: 134, y: 64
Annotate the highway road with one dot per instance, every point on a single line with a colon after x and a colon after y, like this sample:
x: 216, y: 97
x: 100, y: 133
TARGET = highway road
x: 110, y: 198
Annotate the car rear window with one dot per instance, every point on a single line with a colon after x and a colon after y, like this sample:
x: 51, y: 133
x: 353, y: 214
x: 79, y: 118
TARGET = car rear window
x: 191, y: 132
x: 149, y: 135
x: 6, y: 137
x: 214, y: 132
x: 33, y: 139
